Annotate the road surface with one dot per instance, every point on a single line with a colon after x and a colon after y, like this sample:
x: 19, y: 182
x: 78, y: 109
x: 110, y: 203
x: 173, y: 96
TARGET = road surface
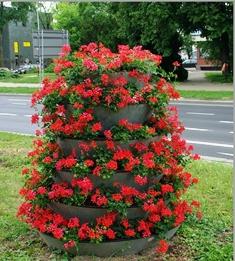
x: 209, y: 125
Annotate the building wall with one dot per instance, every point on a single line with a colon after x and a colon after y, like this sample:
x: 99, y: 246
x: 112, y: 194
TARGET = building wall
x: 6, y: 47
x: 204, y: 63
x: 22, y: 36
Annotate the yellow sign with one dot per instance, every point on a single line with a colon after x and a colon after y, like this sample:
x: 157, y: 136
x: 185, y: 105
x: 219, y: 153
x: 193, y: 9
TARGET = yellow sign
x: 16, y: 47
x: 26, y: 44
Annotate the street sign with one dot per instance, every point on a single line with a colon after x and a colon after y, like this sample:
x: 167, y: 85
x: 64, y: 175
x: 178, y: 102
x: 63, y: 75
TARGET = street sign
x: 48, y: 43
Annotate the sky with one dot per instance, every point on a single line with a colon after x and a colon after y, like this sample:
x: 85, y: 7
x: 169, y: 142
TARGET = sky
x: 49, y: 5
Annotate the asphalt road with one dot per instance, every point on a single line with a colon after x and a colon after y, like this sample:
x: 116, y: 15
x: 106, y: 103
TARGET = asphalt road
x: 209, y: 125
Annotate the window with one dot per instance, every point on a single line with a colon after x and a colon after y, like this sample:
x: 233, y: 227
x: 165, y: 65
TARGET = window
x: 26, y: 44
x: 16, y: 47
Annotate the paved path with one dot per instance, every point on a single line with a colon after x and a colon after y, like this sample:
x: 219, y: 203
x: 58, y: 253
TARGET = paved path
x: 12, y: 84
x: 197, y: 81
x: 209, y: 125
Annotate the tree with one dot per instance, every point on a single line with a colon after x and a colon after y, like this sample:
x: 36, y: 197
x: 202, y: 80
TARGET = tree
x: 16, y: 12
x: 148, y: 24
x: 163, y: 28
x: 215, y: 22
x: 187, y: 44
x: 86, y: 22
x: 45, y: 17
x: 153, y: 26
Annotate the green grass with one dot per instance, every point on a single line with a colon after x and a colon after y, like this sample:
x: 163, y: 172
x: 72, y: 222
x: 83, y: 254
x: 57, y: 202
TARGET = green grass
x: 17, y: 90
x: 207, y: 240
x: 218, y: 77
x: 207, y: 95
x: 28, y: 78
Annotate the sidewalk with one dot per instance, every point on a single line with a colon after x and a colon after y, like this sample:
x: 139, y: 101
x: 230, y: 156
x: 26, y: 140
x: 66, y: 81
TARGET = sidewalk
x: 197, y: 81
x: 13, y: 85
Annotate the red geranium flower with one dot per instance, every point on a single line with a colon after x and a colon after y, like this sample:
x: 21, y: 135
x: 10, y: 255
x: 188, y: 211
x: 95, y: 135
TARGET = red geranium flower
x: 162, y: 246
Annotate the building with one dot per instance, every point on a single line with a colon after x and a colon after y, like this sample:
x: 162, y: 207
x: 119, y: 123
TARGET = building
x: 203, y: 63
x: 22, y: 43
x: 17, y: 43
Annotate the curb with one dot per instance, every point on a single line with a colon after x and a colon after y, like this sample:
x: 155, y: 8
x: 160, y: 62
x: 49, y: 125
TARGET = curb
x: 14, y: 94
x: 205, y: 101
x: 215, y: 159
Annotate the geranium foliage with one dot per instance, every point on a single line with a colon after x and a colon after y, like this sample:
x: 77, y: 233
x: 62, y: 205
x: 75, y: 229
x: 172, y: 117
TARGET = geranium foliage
x: 150, y: 154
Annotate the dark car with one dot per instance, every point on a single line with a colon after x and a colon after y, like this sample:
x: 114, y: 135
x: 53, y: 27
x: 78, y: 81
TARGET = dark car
x: 189, y: 63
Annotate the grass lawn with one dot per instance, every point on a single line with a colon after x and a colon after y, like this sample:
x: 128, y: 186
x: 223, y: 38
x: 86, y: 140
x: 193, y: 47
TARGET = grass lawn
x: 208, y: 240
x: 28, y: 78
x: 207, y: 95
x: 218, y: 77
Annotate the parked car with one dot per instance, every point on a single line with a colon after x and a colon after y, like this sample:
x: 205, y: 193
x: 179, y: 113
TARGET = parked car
x: 189, y: 63
x: 19, y: 70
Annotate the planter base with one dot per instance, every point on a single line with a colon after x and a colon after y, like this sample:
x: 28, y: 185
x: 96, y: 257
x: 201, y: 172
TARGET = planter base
x: 107, y: 249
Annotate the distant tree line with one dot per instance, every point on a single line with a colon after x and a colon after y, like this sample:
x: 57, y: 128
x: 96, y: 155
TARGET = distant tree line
x: 161, y: 27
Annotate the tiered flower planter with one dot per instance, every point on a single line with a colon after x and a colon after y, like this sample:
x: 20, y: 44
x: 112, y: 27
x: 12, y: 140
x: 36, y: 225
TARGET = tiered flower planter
x: 107, y: 176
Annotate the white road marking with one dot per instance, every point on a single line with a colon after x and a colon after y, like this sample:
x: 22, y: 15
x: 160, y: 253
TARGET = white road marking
x: 30, y: 115
x: 201, y: 104
x: 210, y: 143
x: 200, y: 113
x: 231, y: 132
x: 226, y: 122
x: 226, y: 154
x: 20, y: 100
x: 196, y: 129
x: 7, y: 114
x: 19, y: 103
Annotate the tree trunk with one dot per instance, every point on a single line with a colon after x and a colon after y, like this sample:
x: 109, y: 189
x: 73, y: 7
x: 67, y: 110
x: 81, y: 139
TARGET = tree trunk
x: 225, y: 53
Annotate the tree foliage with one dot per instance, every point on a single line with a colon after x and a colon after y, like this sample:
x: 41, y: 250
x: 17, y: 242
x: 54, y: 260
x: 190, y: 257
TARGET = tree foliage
x: 161, y: 27
x: 86, y: 22
x: 16, y: 12
x: 215, y: 22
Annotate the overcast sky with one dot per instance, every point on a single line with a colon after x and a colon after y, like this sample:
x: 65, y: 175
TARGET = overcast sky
x: 47, y: 4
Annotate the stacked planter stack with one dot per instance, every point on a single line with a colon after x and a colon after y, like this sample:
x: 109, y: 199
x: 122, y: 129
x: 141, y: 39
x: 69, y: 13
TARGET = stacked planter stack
x: 81, y: 161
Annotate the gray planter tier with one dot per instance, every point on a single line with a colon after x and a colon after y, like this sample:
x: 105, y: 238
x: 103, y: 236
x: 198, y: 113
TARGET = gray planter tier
x: 136, y: 113
x: 69, y: 145
x: 123, y: 178
x: 89, y: 214
x: 110, y: 248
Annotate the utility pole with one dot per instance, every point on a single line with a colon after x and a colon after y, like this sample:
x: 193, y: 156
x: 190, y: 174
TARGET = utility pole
x: 40, y: 46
